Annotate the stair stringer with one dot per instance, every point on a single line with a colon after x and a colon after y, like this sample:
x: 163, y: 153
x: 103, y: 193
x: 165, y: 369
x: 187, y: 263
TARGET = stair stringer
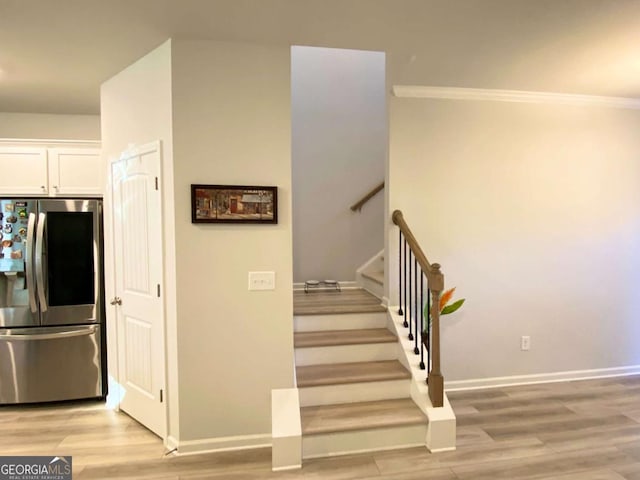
x: 441, y: 429
x: 286, y: 430
x: 374, y: 264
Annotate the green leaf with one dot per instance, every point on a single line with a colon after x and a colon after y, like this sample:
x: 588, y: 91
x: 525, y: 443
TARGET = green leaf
x: 452, y: 308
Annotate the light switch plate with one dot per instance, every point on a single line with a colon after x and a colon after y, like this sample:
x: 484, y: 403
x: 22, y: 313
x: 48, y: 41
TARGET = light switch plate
x: 262, y: 280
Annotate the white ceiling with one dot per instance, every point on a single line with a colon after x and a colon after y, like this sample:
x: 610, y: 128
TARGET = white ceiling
x: 54, y: 54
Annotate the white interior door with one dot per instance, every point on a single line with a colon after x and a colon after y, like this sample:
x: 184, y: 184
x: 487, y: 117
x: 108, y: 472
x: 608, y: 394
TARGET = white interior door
x: 137, y: 238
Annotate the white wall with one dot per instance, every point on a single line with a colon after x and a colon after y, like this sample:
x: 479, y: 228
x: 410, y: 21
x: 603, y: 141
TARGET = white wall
x: 49, y: 126
x: 231, y: 122
x: 136, y: 109
x: 339, y: 147
x: 533, y: 210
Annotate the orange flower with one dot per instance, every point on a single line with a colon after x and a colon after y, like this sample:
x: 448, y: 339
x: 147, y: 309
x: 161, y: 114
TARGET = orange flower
x: 446, y: 296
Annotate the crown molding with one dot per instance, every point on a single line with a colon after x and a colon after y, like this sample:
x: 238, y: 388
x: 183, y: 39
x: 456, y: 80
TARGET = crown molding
x: 48, y: 142
x: 518, y: 96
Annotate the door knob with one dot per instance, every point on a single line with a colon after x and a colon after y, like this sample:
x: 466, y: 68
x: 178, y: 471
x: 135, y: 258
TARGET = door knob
x: 116, y: 301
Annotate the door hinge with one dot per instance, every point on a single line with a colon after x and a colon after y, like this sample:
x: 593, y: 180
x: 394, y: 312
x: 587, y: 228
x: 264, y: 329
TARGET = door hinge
x: 160, y: 396
x: 158, y: 290
x: 156, y: 183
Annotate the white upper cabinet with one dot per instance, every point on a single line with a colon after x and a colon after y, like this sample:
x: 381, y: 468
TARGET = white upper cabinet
x: 23, y: 171
x: 75, y: 171
x: 69, y: 171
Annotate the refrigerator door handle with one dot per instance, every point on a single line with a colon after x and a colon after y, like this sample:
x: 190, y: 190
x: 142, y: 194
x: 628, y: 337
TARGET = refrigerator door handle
x: 42, y: 218
x: 79, y: 332
x: 31, y: 286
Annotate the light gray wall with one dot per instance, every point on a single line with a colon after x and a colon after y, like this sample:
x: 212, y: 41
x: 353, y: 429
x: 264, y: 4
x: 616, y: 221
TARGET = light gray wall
x: 231, y: 120
x: 223, y: 112
x: 136, y: 109
x: 49, y: 126
x: 339, y: 148
x: 534, y: 213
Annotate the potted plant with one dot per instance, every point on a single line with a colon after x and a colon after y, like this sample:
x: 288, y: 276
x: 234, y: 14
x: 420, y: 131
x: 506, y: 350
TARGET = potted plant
x: 445, y: 309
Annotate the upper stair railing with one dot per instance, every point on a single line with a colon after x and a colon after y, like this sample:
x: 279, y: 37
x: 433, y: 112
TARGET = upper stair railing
x: 413, y: 268
x: 360, y: 203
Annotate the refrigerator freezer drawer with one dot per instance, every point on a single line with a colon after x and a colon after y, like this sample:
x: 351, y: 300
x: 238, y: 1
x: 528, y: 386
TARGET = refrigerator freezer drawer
x: 50, y: 364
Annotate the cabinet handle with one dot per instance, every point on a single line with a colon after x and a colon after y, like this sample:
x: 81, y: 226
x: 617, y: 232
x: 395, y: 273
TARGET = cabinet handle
x: 55, y: 187
x: 43, y: 187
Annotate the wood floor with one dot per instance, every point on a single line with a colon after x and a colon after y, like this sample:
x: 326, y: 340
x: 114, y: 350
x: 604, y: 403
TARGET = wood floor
x: 330, y: 338
x: 587, y: 430
x: 356, y: 416
x: 341, y: 373
x: 319, y: 302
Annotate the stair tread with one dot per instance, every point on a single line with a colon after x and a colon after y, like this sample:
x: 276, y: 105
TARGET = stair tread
x: 343, y: 337
x: 319, y: 302
x: 360, y: 416
x: 356, y: 372
x: 377, y: 277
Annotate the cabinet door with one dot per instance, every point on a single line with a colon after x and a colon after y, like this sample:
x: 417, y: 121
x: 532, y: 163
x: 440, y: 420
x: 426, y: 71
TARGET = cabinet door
x: 75, y: 172
x: 23, y: 171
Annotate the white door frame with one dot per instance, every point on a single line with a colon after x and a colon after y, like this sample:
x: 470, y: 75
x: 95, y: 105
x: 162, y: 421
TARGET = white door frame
x: 115, y: 393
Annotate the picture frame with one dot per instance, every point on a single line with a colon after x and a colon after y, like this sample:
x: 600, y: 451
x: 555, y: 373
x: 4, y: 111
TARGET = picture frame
x: 242, y: 204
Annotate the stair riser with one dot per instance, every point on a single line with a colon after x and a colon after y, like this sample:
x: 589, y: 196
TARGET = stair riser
x: 352, y: 321
x: 346, y: 353
x: 354, y: 392
x: 342, y: 443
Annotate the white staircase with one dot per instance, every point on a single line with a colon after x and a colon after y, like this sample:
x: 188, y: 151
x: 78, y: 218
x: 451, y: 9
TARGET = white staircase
x: 354, y: 394
x: 359, y: 384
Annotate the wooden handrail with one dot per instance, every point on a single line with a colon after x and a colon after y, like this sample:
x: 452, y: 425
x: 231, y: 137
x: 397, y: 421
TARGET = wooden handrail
x: 432, y: 271
x: 358, y: 205
x: 435, y: 283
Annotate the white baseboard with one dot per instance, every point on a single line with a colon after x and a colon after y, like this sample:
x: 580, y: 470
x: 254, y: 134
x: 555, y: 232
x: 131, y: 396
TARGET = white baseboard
x: 208, y: 445
x: 566, y: 376
x: 285, y: 469
x: 440, y: 450
x: 171, y: 443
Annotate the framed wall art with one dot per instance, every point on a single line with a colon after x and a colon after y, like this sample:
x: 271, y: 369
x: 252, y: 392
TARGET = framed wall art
x: 234, y: 204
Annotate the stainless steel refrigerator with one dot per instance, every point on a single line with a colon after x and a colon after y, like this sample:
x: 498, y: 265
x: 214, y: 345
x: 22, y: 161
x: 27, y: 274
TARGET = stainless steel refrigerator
x: 51, y: 300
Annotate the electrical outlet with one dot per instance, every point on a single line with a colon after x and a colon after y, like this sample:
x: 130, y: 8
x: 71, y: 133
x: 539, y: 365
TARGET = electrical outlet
x: 262, y: 280
x: 525, y: 343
